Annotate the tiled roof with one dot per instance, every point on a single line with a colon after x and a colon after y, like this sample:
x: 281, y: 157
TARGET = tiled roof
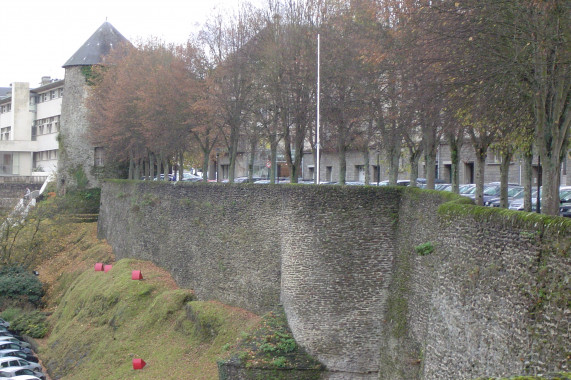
x: 97, y: 46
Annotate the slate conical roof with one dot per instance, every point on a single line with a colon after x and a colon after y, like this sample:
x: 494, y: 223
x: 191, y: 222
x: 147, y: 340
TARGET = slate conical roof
x: 97, y: 46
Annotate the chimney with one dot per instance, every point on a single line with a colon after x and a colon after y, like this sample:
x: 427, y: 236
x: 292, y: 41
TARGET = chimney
x: 46, y: 80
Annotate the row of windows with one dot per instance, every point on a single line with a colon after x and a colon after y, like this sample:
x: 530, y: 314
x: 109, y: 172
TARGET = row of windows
x: 40, y: 98
x: 45, y: 155
x: 46, y: 96
x: 45, y: 126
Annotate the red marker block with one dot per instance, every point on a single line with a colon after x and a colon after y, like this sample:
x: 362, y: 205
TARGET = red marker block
x: 138, y: 363
x: 136, y: 275
x: 99, y: 267
x: 106, y: 268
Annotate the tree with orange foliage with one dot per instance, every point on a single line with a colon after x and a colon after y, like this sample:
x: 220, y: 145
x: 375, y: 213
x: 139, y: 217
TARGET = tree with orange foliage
x: 141, y: 107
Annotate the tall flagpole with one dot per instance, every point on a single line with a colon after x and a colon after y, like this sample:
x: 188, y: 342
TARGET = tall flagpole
x: 318, y: 144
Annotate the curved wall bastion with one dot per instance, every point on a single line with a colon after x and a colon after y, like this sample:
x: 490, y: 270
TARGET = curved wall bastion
x: 488, y: 296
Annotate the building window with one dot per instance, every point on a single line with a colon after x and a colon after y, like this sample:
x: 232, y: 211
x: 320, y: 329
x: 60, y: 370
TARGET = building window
x: 5, y: 133
x: 328, y: 173
x: 60, y: 92
x: 53, y: 94
x: 6, y: 163
x: 98, y: 154
x: 311, y: 172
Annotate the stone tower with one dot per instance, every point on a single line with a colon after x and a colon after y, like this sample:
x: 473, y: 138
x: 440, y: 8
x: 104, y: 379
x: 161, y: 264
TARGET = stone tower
x: 77, y: 164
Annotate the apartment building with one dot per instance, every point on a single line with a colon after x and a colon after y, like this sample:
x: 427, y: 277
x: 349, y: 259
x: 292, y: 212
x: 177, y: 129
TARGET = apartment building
x: 29, y: 127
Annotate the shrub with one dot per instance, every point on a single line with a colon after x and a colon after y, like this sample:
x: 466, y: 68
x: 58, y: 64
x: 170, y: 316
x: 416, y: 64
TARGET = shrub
x: 32, y: 324
x: 80, y: 202
x: 17, y: 283
x: 424, y: 249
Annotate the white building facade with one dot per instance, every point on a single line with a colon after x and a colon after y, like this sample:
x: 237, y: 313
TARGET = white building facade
x: 29, y: 128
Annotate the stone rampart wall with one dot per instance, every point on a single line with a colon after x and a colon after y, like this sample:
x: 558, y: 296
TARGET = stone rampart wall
x: 490, y: 300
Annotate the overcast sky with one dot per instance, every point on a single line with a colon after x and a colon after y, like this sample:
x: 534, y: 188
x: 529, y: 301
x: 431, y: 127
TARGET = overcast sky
x: 38, y: 36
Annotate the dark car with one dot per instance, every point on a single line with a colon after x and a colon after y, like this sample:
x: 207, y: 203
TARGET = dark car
x: 565, y: 199
x: 513, y: 193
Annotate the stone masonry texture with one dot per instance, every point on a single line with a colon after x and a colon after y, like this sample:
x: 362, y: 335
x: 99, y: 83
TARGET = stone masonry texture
x: 490, y: 300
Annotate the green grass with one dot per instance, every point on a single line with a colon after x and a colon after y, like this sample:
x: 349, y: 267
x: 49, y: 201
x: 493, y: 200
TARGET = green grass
x: 105, y: 320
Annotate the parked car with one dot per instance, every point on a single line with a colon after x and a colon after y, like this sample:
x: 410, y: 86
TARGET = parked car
x: 517, y: 204
x: 400, y: 182
x: 466, y: 188
x: 162, y: 177
x: 421, y: 182
x: 443, y: 187
x: 513, y: 193
x: 247, y: 179
x: 15, y: 340
x: 4, y: 323
x: 18, y: 353
x: 12, y: 372
x: 491, y: 191
x: 565, y: 200
x: 6, y: 345
x: 187, y: 177
x: 14, y: 361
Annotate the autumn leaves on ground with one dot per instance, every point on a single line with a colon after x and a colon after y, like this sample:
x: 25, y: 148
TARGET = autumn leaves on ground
x: 99, y: 322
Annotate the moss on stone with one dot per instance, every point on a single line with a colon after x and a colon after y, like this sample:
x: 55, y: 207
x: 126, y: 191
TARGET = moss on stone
x: 271, y: 346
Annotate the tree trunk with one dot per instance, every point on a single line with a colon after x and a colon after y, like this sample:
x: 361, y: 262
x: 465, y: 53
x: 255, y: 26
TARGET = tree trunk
x: 137, y: 173
x: 253, y: 144
x: 205, y: 161
x: 131, y: 166
x: 342, y: 165
x: 180, y: 165
x: 504, y: 177
x: 165, y: 168
x: 414, y: 158
x: 394, y: 165
x: 151, y: 166
x: 430, y: 156
x: 366, y: 168
x: 273, y: 160
x: 527, y: 180
x: 455, y: 147
x: 481, y: 155
x: 551, y: 174
x: 233, y: 151
x: 430, y: 162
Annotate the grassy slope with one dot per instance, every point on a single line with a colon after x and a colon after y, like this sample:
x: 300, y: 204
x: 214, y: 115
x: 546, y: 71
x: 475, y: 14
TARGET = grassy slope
x: 101, y: 321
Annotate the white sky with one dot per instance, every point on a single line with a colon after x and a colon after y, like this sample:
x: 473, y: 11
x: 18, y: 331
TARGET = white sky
x: 38, y: 36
